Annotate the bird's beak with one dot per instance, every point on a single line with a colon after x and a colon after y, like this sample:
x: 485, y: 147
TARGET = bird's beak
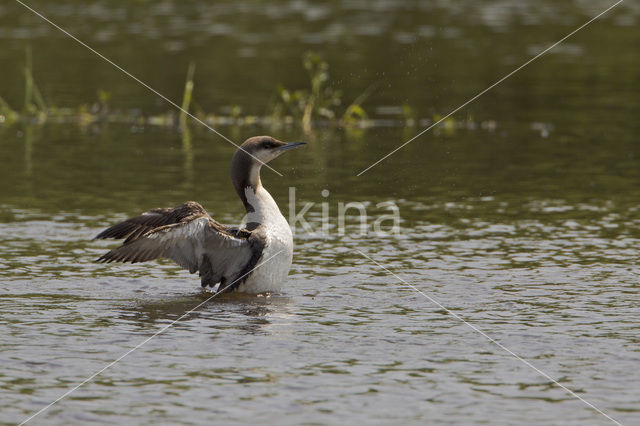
x: 291, y: 145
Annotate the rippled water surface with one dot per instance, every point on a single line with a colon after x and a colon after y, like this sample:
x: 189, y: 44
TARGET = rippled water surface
x: 526, y: 227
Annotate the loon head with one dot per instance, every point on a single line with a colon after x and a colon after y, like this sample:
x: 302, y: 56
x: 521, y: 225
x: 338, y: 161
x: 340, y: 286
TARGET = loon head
x: 251, y: 156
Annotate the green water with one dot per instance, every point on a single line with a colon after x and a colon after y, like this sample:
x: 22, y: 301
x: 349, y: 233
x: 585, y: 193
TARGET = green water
x: 521, y: 217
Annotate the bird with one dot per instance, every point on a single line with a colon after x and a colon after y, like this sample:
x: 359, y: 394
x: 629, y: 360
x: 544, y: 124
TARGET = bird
x: 254, y: 258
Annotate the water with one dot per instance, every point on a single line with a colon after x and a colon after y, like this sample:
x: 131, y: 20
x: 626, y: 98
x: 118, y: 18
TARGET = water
x: 522, y: 218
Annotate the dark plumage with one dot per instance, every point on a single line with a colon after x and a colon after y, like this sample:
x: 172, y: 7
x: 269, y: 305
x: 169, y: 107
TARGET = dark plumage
x: 136, y: 227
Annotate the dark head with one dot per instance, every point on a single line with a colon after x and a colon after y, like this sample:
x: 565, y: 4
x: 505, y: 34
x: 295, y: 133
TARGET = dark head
x: 249, y: 158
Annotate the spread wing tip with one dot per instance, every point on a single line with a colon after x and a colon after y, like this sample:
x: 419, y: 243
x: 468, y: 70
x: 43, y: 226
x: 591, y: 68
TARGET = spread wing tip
x: 136, y: 227
x: 128, y: 254
x: 107, y: 258
x: 122, y: 230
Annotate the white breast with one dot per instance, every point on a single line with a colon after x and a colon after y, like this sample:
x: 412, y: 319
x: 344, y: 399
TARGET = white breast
x: 278, y: 252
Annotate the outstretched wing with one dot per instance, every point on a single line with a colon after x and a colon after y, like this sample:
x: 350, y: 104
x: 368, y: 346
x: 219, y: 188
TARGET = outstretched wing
x: 189, y: 237
x: 148, y: 221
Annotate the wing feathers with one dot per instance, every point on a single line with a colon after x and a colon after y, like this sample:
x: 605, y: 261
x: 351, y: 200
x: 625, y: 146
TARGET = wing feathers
x: 136, y: 227
x: 188, y: 236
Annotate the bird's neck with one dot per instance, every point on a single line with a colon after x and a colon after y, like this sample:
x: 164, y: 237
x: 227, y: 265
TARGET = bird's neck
x: 261, y: 207
x: 245, y: 173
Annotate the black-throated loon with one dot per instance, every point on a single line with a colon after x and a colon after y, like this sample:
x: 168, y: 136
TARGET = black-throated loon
x: 221, y: 254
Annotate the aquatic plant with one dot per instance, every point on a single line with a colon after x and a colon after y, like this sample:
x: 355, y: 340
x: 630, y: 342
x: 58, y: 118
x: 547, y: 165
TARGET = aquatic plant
x: 7, y: 114
x: 34, y: 103
x: 354, y: 113
x: 320, y: 104
x: 187, y: 97
x: 319, y: 101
